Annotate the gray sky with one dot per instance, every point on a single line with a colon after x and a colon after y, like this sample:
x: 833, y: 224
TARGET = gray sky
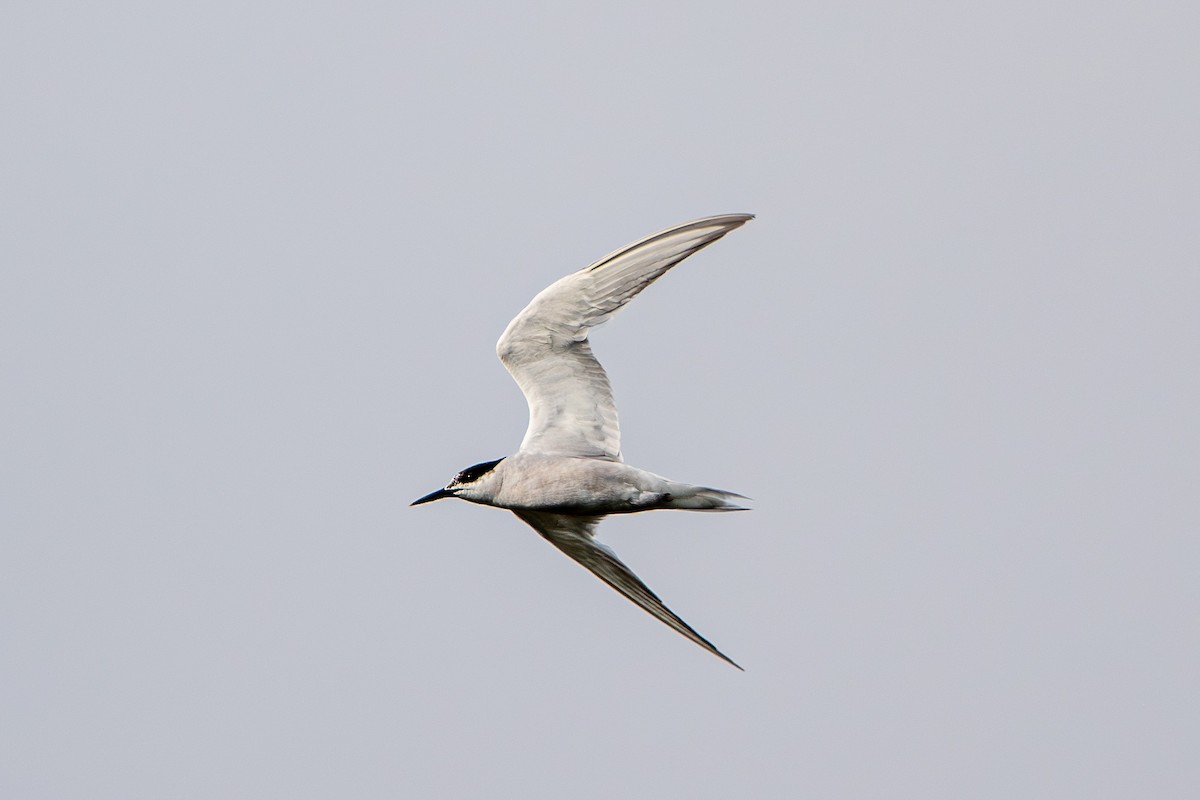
x: 254, y: 261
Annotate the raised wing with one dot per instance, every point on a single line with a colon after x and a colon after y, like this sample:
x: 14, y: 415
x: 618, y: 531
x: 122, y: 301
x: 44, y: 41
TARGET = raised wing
x: 574, y: 536
x: 545, y: 347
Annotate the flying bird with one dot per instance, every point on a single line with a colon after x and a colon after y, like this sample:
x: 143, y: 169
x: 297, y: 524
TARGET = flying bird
x: 568, y: 473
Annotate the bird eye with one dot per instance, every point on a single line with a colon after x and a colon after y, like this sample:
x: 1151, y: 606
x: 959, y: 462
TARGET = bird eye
x: 472, y: 474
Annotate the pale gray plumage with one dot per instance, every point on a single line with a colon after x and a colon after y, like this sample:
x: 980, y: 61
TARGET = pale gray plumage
x: 568, y: 473
x: 545, y: 347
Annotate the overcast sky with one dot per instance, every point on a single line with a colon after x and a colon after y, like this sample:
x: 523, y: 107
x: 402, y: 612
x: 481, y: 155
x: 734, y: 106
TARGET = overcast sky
x: 254, y: 258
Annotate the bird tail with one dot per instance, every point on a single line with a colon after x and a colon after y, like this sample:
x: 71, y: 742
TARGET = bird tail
x: 703, y: 498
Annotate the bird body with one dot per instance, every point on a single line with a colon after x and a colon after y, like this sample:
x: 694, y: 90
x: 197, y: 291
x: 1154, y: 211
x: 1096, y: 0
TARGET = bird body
x: 575, y: 485
x: 568, y: 473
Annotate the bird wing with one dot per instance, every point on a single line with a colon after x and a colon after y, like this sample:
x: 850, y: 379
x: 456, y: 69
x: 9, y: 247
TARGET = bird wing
x: 545, y: 347
x: 574, y: 536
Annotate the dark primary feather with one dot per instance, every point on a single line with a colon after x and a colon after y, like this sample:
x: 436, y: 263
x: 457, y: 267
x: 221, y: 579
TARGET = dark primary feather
x: 573, y: 535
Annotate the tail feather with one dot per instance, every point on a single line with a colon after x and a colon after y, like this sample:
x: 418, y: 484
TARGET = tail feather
x: 703, y: 498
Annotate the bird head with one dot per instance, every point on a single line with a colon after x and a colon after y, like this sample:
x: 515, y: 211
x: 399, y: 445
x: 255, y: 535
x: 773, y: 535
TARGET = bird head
x: 473, y: 483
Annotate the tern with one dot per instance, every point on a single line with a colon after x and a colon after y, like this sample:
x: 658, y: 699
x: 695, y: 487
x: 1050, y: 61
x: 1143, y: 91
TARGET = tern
x: 568, y: 473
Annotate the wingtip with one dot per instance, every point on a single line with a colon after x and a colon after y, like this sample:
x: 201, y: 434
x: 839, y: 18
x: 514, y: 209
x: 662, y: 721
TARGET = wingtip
x: 733, y: 220
x: 732, y: 662
x: 710, y: 647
